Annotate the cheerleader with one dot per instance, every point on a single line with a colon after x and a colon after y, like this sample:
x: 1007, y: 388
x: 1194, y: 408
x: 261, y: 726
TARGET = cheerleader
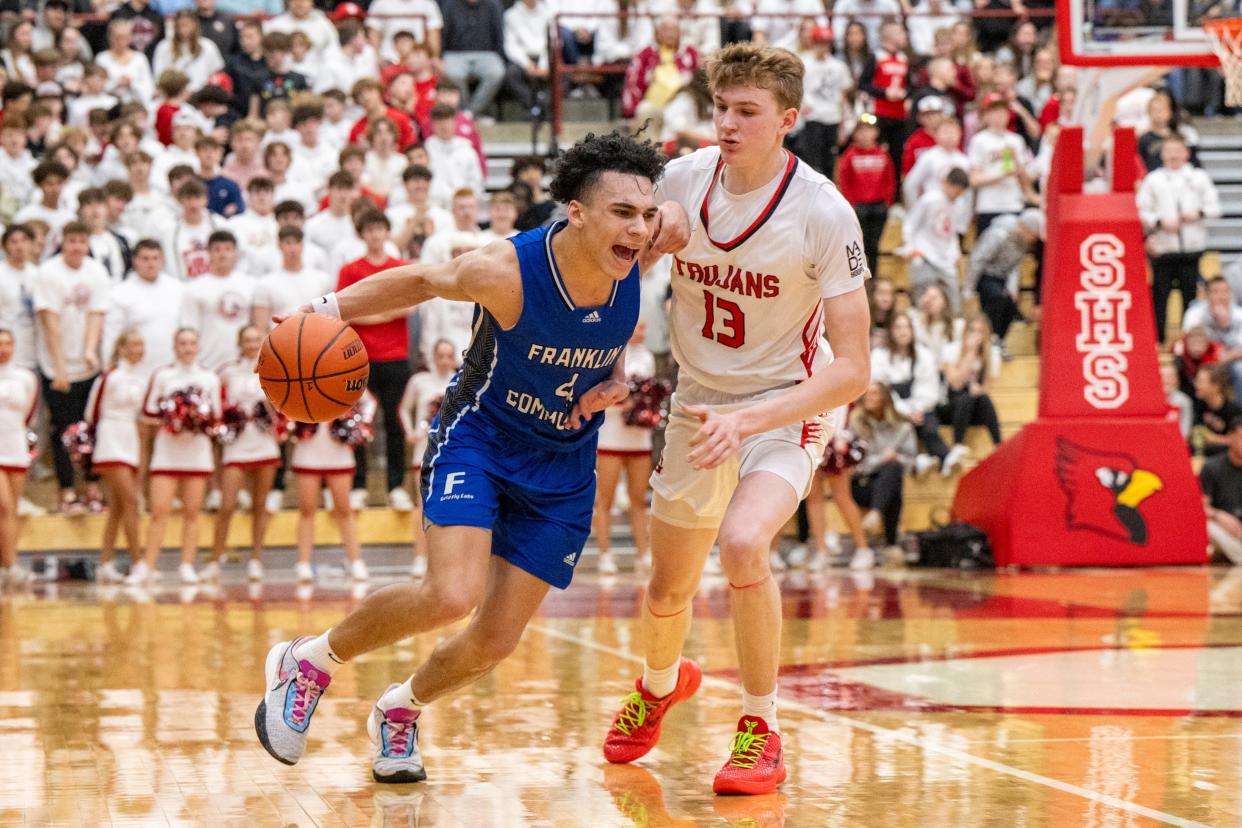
x: 625, y: 448
x: 251, y: 456
x: 321, y: 458
x: 838, y: 477
x: 19, y: 394
x: 181, y: 457
x: 418, y: 408
x: 112, y: 411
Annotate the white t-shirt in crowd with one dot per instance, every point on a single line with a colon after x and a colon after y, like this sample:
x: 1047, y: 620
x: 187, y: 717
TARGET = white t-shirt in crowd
x: 256, y: 238
x: 444, y: 319
x: 17, y: 310
x: 15, y: 174
x: 419, y: 15
x: 185, y: 245
x: 399, y: 214
x: 106, y: 250
x: 218, y: 307
x: 72, y: 294
x: 991, y: 154
x: 456, y: 166
x: 930, y: 231
x: 152, y: 309
x: 283, y: 292
x: 825, y: 84
x: 325, y: 230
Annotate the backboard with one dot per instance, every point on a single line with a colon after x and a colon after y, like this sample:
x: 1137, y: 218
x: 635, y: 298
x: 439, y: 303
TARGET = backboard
x: 1138, y: 32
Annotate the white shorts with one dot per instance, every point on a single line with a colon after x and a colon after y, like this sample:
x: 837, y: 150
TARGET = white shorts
x: 698, y: 498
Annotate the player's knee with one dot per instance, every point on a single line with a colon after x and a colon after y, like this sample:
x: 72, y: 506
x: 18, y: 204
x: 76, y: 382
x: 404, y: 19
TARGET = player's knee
x: 451, y: 601
x: 744, y: 552
x: 666, y: 598
x: 492, y: 647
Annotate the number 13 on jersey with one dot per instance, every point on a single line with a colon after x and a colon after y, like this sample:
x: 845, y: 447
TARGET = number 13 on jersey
x: 732, y: 333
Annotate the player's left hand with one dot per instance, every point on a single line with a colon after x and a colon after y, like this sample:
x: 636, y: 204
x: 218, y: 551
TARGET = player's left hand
x: 672, y: 228
x: 595, y: 399
x: 718, y: 438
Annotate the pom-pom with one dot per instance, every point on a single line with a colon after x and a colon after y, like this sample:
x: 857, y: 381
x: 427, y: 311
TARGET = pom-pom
x: 78, y: 439
x: 354, y: 429
x: 302, y: 431
x: 648, y: 402
x: 187, y: 411
x: 232, y: 420
x: 845, y: 451
x: 235, y: 418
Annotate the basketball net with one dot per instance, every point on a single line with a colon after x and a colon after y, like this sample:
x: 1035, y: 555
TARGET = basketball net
x: 1225, y: 35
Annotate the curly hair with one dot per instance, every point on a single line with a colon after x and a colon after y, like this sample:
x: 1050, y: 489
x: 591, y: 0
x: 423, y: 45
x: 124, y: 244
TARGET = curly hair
x: 579, y: 168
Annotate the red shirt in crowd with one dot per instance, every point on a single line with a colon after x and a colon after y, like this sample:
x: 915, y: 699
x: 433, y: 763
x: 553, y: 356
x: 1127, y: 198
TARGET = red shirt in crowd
x: 1051, y: 112
x: 424, y: 90
x: 163, y: 122
x: 406, y: 133
x: 891, y: 71
x: 381, y: 202
x: 424, y: 98
x: 915, y: 145
x: 867, y: 176
x: 389, y: 340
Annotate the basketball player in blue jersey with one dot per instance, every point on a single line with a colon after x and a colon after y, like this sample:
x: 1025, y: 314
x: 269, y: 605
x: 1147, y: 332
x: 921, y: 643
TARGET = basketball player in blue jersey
x: 509, y: 473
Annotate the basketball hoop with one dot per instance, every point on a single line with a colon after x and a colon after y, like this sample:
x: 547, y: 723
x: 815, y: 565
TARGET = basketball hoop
x: 1226, y: 37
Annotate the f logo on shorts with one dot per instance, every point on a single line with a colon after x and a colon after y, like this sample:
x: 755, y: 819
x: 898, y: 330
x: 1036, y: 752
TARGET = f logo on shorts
x: 451, y: 480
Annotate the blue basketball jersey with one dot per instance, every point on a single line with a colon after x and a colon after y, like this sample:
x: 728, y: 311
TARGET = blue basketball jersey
x: 524, y: 381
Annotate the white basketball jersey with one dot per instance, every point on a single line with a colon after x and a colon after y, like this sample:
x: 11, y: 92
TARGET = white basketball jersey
x: 748, y: 289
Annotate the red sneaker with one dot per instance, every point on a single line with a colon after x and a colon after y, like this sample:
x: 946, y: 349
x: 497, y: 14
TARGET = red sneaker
x: 636, y: 729
x: 756, y: 764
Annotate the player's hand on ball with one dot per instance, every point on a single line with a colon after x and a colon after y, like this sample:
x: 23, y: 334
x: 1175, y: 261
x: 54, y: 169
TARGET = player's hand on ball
x: 605, y: 395
x: 718, y: 438
x: 672, y: 228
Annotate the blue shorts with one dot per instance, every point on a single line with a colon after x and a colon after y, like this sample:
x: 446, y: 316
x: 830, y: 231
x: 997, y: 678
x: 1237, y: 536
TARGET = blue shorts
x: 537, y: 503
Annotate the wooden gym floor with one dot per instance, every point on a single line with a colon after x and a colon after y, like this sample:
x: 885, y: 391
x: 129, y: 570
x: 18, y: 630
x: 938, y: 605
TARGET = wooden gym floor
x: 1086, y: 698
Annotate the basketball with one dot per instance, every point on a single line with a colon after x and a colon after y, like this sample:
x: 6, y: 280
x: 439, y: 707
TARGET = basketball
x: 313, y: 368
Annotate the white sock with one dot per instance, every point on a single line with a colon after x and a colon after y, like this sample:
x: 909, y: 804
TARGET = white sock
x: 400, y: 696
x: 762, y: 706
x: 660, y: 683
x: 318, y: 652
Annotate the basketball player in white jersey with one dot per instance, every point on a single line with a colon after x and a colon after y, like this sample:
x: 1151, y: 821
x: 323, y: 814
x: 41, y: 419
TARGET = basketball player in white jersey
x: 774, y: 259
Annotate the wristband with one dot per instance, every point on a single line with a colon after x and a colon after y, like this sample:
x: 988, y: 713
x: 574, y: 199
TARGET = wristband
x: 326, y: 305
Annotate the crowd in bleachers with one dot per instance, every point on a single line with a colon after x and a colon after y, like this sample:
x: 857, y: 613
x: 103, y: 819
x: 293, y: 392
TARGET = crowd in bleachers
x: 182, y: 171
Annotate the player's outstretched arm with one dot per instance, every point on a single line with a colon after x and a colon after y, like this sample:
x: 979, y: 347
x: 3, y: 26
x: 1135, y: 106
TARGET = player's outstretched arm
x: 847, y: 319
x: 488, y: 276
x: 672, y: 232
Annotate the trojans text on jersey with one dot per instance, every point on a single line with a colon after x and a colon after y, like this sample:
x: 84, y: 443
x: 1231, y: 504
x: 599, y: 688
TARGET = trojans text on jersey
x: 733, y: 278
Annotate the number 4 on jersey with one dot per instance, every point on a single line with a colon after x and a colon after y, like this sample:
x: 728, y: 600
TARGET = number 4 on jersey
x: 732, y: 321
x: 566, y: 390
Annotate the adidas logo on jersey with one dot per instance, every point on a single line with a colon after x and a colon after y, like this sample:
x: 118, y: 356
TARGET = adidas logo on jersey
x: 571, y: 558
x: 593, y: 316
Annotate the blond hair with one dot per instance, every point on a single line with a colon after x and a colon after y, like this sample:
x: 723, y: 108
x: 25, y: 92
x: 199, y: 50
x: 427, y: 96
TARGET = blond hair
x: 779, y: 71
x: 114, y: 358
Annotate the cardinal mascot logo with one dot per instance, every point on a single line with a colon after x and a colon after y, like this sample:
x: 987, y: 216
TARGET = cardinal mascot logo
x: 1104, y: 490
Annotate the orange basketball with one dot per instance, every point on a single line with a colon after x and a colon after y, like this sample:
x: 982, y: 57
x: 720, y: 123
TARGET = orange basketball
x: 313, y: 367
